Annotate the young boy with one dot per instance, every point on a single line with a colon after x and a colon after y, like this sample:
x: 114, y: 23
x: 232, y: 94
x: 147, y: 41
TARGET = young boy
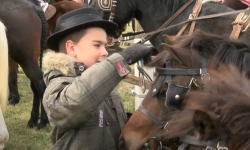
x: 81, y: 101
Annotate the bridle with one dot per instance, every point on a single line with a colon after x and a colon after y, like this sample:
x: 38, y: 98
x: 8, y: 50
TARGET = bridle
x: 175, y: 94
x: 110, y: 5
x: 216, y: 144
x: 175, y: 97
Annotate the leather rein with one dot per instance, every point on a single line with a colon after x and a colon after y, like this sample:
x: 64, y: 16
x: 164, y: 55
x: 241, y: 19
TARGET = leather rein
x: 191, y: 20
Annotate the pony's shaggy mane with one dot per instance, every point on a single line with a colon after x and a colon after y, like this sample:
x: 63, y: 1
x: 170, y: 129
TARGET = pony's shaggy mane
x: 227, y: 101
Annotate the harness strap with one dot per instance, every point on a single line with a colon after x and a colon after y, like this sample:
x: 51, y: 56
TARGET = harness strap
x: 192, y: 140
x: 195, y: 13
x: 130, y: 5
x: 239, y: 24
x: 170, y: 20
x: 150, y: 116
x: 112, y: 12
x: 168, y: 65
x: 178, y: 72
x: 164, y: 148
x: 172, y: 26
x: 136, y: 81
x: 183, y: 146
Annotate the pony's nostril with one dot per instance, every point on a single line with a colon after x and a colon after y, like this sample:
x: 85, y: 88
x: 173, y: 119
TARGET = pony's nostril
x: 121, y: 144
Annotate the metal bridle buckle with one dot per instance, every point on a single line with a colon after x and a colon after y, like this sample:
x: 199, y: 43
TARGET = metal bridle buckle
x: 209, y: 148
x: 205, y: 77
x: 146, y: 145
x: 159, y: 142
x: 192, y: 16
x: 110, y: 41
x: 191, y: 81
x: 220, y: 147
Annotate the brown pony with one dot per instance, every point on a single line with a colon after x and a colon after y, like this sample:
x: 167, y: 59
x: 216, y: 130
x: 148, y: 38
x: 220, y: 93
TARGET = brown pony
x: 218, y: 116
x: 183, y: 67
x: 62, y: 7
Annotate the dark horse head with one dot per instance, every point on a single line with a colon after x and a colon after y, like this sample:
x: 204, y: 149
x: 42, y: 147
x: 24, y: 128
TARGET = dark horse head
x: 217, y: 117
x: 124, y: 12
x: 183, y: 67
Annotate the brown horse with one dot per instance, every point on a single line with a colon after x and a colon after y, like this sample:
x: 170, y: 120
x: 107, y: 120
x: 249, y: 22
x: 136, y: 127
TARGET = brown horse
x: 184, y: 66
x: 26, y: 33
x: 62, y: 7
x: 217, y: 116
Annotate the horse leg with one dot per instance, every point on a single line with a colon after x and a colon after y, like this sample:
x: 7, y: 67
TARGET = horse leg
x: 35, y: 74
x: 24, y: 41
x: 13, y: 94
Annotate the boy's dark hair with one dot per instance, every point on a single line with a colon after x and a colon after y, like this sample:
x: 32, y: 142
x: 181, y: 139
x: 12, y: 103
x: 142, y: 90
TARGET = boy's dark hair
x: 75, y: 37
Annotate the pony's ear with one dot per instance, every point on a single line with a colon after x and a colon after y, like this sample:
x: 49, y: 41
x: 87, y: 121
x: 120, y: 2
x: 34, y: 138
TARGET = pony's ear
x: 203, y: 125
x: 173, y: 52
x: 169, y: 39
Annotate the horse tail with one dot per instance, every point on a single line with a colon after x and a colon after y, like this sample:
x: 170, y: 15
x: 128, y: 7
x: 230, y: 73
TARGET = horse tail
x: 42, y: 16
x: 4, y: 67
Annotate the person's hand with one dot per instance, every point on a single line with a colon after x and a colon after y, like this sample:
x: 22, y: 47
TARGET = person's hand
x: 137, y: 52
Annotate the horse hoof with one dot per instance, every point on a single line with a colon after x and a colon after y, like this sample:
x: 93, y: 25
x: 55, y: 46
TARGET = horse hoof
x: 31, y: 124
x: 13, y: 101
x: 40, y: 126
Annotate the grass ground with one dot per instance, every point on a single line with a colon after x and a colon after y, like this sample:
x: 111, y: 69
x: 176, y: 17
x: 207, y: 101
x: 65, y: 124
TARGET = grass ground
x: 16, y: 118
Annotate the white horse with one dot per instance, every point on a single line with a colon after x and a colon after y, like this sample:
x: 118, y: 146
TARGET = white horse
x: 4, y: 134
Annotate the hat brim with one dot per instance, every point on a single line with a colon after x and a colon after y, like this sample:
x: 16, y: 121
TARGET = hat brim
x: 53, y: 40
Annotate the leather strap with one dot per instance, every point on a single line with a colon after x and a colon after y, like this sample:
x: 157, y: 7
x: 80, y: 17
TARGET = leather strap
x: 240, y: 24
x: 196, y: 19
x: 183, y: 146
x: 130, y: 5
x: 150, y: 116
x: 178, y: 72
x: 50, y: 12
x: 170, y: 20
x: 192, y: 140
x: 195, y: 13
x: 112, y: 12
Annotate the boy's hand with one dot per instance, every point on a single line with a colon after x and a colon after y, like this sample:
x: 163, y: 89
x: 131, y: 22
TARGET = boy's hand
x: 136, y: 52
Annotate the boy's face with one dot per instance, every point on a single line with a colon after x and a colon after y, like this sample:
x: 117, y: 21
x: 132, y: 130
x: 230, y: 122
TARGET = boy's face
x: 91, y: 47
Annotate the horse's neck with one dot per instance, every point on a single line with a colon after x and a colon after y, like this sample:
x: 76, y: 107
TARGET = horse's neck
x: 152, y: 14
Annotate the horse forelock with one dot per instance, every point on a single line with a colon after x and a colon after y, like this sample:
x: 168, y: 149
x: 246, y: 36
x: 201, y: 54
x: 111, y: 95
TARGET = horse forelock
x: 219, y: 49
x: 227, y: 103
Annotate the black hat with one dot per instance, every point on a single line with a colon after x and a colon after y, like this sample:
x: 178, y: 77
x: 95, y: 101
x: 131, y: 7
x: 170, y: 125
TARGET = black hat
x: 76, y: 20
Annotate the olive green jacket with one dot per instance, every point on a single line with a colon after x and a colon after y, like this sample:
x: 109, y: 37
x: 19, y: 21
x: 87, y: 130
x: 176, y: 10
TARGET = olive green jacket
x: 83, y: 106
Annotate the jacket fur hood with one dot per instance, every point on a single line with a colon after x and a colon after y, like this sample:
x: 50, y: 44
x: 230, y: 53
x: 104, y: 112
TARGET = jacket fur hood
x: 60, y: 62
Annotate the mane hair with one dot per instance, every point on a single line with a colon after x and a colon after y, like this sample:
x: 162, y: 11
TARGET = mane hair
x: 227, y: 103
x: 218, y: 48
